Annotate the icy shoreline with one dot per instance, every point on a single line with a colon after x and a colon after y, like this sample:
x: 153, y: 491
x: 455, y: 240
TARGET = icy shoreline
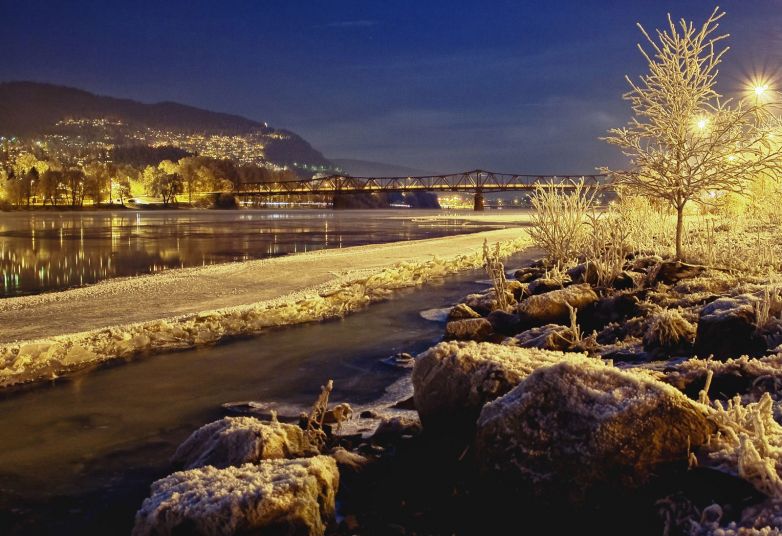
x: 49, y: 357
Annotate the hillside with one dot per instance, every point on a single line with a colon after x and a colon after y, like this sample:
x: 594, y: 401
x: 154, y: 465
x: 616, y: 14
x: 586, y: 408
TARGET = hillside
x: 31, y: 109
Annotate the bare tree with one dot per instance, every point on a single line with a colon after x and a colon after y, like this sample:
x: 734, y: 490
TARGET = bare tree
x: 685, y: 141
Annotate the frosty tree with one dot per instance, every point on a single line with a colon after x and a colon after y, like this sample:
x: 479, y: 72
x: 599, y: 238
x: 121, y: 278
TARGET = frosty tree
x: 685, y: 141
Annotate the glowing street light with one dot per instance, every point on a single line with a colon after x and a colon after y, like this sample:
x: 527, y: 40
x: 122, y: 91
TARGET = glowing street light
x: 760, y: 89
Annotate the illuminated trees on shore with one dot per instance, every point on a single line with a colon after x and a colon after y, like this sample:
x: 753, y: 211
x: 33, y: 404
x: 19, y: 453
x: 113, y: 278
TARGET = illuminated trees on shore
x: 685, y: 142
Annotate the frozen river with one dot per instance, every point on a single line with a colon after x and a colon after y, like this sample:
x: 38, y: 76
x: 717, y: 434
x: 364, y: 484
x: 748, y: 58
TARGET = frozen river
x: 48, y: 251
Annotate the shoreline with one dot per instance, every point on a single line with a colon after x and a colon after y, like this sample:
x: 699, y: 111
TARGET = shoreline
x: 50, y: 334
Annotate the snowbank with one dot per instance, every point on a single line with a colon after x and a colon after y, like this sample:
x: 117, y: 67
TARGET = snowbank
x: 46, y: 358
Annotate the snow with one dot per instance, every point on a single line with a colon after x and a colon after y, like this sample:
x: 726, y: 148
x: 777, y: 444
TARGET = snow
x: 297, y: 494
x: 179, y: 309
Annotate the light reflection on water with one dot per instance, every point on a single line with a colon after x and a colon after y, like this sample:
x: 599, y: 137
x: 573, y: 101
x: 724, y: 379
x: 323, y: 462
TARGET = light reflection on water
x: 44, y: 251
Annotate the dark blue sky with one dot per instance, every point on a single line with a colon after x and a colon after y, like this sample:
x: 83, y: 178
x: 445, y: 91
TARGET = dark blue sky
x: 524, y: 86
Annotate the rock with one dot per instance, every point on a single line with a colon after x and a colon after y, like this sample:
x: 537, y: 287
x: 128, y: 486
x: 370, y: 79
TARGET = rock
x: 504, y: 323
x: 462, y: 312
x: 629, y: 280
x: 642, y: 264
x: 453, y: 380
x: 482, y: 303
x: 543, y: 285
x: 726, y: 328
x: 609, y: 309
x: 348, y: 460
x: 581, y: 428
x: 525, y: 275
x: 584, y: 273
x: 274, y: 497
x: 548, y: 337
x: 670, y: 272
x: 238, y: 440
x: 474, y: 329
x: 551, y: 307
x: 397, y: 427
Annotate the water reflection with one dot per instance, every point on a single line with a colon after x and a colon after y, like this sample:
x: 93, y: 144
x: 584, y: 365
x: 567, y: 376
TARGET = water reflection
x: 53, y: 251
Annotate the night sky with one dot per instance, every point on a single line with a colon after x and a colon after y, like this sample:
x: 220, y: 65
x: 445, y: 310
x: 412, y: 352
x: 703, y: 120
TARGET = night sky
x: 439, y: 86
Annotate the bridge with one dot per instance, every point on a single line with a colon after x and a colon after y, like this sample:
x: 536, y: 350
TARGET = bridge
x: 478, y: 182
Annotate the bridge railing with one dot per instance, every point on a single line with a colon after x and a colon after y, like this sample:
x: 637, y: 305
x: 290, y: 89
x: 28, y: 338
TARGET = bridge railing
x: 474, y: 181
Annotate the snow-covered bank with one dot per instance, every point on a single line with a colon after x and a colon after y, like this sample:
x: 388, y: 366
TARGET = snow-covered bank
x: 302, y: 288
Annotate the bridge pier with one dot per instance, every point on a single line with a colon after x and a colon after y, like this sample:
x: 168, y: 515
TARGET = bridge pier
x: 478, y: 201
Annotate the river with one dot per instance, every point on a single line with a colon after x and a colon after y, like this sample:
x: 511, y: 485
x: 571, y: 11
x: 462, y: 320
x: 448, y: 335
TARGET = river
x: 49, y: 251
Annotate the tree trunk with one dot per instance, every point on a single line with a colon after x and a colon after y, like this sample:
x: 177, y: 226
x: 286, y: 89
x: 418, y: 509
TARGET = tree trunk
x: 679, y: 229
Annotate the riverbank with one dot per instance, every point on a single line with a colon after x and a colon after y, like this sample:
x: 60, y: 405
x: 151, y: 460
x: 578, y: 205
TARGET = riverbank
x: 50, y: 334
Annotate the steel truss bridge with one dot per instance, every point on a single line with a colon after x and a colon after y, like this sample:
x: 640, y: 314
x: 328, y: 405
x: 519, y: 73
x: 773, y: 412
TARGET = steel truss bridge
x: 478, y: 182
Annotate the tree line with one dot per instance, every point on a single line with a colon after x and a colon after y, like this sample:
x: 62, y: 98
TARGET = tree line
x: 31, y: 180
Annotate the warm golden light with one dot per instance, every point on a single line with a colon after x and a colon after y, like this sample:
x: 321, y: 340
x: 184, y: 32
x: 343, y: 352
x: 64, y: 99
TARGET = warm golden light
x: 702, y: 124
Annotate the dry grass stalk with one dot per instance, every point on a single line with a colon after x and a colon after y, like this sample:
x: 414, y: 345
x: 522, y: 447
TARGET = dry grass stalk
x: 496, y: 271
x: 559, y: 219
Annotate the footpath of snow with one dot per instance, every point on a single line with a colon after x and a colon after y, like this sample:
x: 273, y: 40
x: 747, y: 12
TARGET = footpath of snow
x: 368, y: 281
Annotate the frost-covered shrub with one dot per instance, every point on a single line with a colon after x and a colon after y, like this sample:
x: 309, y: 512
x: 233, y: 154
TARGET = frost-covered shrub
x: 668, y: 330
x: 559, y: 220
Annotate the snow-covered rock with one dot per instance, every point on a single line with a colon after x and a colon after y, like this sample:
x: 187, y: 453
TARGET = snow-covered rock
x: 581, y: 426
x: 473, y: 329
x: 543, y: 285
x: 274, y: 497
x: 726, y: 328
x: 552, y: 307
x: 548, y: 337
x: 239, y: 440
x: 453, y: 380
x: 462, y: 311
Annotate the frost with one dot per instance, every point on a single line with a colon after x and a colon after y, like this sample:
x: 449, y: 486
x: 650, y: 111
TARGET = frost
x: 453, y: 380
x: 239, y: 440
x: 295, y: 495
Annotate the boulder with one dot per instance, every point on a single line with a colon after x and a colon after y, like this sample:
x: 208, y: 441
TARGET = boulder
x: 584, y: 273
x: 671, y: 272
x: 543, y: 285
x: 726, y: 328
x: 525, y: 275
x: 505, y: 323
x: 462, y: 311
x: 549, y: 337
x: 453, y: 380
x: 581, y: 428
x: 552, y: 307
x: 239, y: 440
x: 608, y: 309
x: 398, y: 426
x: 473, y: 329
x: 274, y: 497
x: 627, y: 280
